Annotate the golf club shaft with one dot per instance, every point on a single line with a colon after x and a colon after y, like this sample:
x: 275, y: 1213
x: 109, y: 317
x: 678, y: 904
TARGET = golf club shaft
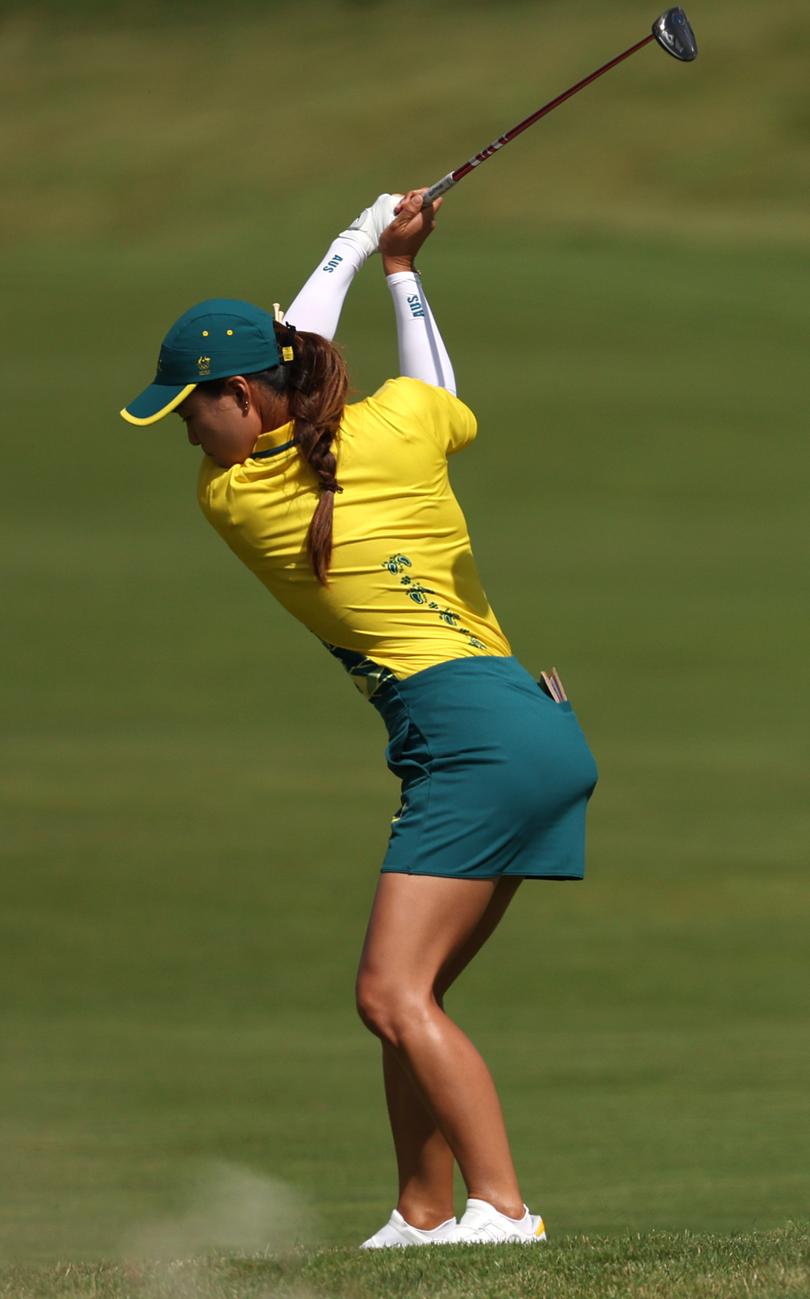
x: 453, y: 177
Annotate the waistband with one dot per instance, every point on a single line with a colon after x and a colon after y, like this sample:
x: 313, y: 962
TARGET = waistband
x: 388, y: 692
x: 452, y: 679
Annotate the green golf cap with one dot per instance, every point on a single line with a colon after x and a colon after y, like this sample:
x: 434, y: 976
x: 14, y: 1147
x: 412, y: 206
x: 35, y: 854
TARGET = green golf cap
x: 215, y: 339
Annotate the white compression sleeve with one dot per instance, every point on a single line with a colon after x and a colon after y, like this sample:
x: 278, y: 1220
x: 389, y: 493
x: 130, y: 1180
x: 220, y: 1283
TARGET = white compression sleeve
x: 317, y: 307
x: 422, y: 353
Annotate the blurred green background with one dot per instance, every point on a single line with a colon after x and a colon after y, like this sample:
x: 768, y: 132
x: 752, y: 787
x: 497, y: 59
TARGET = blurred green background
x: 195, y: 799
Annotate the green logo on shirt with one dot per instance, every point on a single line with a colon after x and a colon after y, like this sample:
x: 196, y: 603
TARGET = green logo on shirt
x: 419, y: 593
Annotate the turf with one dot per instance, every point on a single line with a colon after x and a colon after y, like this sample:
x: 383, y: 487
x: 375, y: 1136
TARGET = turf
x: 195, y: 801
x: 658, y: 1265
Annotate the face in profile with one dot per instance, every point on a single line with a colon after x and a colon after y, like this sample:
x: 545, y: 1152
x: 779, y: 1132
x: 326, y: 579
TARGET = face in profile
x: 226, y: 425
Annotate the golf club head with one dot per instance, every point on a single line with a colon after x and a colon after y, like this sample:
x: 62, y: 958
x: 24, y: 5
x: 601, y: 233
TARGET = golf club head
x: 674, y: 34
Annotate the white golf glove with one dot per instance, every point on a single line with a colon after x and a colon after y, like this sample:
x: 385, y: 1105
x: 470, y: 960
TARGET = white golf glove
x: 365, y: 231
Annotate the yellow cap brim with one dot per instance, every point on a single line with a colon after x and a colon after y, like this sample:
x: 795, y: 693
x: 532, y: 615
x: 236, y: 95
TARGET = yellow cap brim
x: 141, y: 412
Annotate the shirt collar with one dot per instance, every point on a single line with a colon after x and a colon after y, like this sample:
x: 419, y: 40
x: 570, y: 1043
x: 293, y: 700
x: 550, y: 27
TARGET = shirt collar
x: 276, y: 439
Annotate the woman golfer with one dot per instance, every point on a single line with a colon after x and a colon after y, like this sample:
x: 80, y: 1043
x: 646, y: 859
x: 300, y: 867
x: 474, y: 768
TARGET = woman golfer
x: 346, y: 514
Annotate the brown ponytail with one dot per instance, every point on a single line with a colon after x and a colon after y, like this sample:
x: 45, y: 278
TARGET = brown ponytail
x: 317, y: 383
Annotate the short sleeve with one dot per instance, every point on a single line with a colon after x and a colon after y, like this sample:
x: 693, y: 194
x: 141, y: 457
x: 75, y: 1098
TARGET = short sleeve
x: 445, y: 418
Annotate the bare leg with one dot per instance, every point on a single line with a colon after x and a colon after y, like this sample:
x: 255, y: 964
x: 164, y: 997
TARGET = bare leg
x: 421, y: 930
x: 424, y: 1159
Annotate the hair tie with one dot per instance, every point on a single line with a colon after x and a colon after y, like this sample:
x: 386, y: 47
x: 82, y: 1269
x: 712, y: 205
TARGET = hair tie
x: 287, y: 350
x: 331, y: 487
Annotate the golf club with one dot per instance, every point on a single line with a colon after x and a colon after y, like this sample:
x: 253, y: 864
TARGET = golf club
x: 671, y: 30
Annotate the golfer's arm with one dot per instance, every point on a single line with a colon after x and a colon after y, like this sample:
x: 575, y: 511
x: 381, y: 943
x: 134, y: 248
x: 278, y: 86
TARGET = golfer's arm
x: 317, y: 307
x: 422, y: 353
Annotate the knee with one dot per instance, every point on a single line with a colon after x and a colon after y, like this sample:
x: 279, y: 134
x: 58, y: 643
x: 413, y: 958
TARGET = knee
x: 377, y: 1005
x: 388, y: 1010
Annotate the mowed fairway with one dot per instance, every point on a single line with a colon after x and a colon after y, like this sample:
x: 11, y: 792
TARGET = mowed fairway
x: 195, y: 800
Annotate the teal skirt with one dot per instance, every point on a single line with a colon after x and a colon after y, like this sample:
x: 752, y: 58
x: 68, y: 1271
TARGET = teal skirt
x: 495, y: 775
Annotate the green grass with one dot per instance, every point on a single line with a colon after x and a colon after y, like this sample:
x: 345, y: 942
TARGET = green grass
x: 194, y: 799
x: 659, y: 1265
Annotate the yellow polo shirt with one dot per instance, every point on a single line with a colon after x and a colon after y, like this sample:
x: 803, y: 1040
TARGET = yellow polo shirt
x: 404, y: 592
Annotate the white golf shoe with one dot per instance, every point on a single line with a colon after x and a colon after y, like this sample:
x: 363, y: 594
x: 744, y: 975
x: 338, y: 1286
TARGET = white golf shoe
x: 482, y: 1224
x: 397, y: 1233
x: 365, y: 231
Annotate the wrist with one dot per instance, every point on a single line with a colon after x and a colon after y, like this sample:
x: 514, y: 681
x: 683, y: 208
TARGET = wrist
x: 352, y: 245
x: 393, y: 265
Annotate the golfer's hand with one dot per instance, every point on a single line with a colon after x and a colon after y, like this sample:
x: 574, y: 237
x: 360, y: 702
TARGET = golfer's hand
x: 401, y: 241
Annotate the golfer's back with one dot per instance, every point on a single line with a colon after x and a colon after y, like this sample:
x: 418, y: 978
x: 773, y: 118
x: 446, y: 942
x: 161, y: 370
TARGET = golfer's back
x: 404, y: 591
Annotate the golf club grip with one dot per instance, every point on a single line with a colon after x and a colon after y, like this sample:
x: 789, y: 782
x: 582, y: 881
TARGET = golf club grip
x: 441, y: 187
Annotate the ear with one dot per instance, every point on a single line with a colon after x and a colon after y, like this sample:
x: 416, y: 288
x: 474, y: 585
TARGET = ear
x: 239, y: 389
